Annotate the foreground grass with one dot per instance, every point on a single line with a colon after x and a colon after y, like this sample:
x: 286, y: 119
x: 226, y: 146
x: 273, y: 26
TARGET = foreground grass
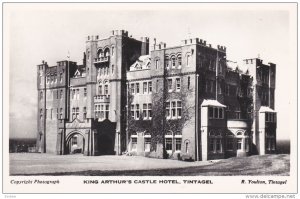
x: 253, y: 165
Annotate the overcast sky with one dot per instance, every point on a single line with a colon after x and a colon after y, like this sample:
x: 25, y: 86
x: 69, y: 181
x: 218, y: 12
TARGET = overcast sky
x: 48, y: 31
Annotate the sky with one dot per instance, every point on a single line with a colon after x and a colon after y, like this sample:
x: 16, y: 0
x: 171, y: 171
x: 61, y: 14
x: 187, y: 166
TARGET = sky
x: 36, y: 32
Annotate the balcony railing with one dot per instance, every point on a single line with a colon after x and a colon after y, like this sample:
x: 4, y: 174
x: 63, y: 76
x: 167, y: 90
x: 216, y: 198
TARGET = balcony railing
x: 101, y: 60
x: 101, y: 98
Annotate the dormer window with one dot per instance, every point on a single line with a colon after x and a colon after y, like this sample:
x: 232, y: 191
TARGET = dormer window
x: 215, y: 113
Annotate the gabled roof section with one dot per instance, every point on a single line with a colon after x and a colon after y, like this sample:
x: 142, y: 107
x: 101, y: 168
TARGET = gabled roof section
x: 143, y: 62
x: 266, y: 109
x: 209, y: 102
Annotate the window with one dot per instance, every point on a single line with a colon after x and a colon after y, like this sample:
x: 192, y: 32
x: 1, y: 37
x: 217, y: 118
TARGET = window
x: 132, y: 111
x: 188, y: 60
x: 60, y: 77
x: 84, y: 113
x: 270, y: 117
x: 112, y: 69
x: 215, y: 141
x: 178, y: 109
x: 169, y: 144
x: 147, y: 144
x: 73, y: 93
x: 168, y: 109
x: 178, y: 144
x: 106, y: 111
x: 61, y: 94
x: 57, y: 113
x: 75, y: 112
x: 137, y: 112
x: 189, y: 82
x: 97, y: 111
x: 179, y: 60
x: 215, y: 113
x: 106, y: 89
x: 51, y: 110
x: 229, y: 144
x: 145, y: 111
x: 186, y: 147
x: 156, y: 64
x: 178, y: 84
x: 175, y: 109
x: 132, y: 88
x: 170, y: 84
x: 100, y: 90
x: 41, y: 113
x: 149, y: 111
x: 61, y: 113
x: 150, y: 87
x: 112, y: 51
x: 173, y: 61
x: 77, y: 93
x: 137, y: 88
x: 41, y: 95
x: 145, y: 89
x: 85, y: 92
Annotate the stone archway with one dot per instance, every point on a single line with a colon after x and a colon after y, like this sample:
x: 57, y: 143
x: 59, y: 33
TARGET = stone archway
x: 75, y: 143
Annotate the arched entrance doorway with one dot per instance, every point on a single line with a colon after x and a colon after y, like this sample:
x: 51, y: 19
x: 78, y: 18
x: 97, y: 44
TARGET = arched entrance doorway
x: 75, y: 143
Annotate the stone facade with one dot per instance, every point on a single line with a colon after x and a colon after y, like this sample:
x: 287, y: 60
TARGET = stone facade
x: 184, y: 102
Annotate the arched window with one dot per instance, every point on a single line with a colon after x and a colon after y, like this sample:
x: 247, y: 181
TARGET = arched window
x: 186, y: 146
x: 100, y: 53
x: 173, y: 61
x: 179, y: 60
x: 106, y: 52
x: 106, y: 87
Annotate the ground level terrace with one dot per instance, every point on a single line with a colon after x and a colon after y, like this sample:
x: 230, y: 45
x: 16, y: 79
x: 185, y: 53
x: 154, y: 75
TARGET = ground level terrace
x: 46, y: 164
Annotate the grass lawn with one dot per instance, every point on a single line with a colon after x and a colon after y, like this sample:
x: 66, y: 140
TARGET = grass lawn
x: 141, y: 166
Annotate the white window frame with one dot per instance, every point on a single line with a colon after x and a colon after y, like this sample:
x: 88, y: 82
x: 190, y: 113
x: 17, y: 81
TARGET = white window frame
x: 147, y: 136
x: 178, y: 84
x: 214, y: 108
x: 145, y: 87
x: 150, y: 87
x: 170, y: 84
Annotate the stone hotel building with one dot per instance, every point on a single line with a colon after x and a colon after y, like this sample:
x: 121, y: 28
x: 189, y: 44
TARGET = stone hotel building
x: 185, y: 102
